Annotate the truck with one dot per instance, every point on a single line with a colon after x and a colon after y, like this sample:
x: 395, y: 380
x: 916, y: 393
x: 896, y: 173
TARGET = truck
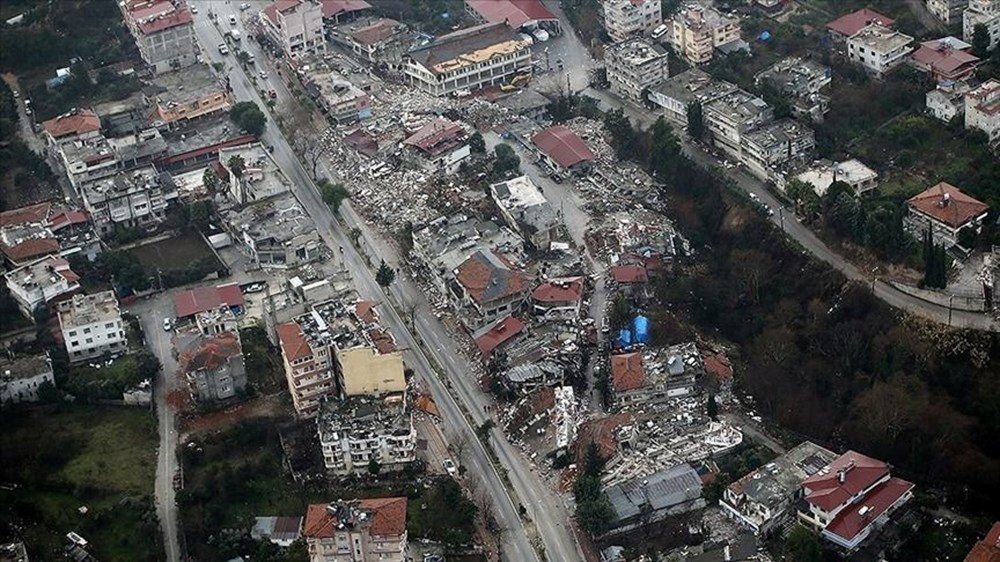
x: 235, y: 34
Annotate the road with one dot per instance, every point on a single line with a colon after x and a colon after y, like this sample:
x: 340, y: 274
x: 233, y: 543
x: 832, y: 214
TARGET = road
x: 785, y: 219
x: 547, y: 511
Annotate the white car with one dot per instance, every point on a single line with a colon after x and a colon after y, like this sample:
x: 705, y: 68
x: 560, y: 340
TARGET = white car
x: 263, y: 75
x: 450, y: 468
x: 232, y: 20
x: 194, y: 9
x: 223, y: 49
x: 167, y: 325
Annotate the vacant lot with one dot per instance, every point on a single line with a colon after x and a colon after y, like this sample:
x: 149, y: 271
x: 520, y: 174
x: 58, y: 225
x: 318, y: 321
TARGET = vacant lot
x: 62, y: 459
x: 173, y: 254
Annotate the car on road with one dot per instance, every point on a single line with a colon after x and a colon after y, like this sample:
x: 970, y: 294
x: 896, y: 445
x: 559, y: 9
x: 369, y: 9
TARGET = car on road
x: 253, y: 288
x: 223, y: 49
x: 232, y: 20
x: 167, y: 325
x: 450, y: 468
x: 194, y: 9
x: 263, y: 75
x: 244, y: 6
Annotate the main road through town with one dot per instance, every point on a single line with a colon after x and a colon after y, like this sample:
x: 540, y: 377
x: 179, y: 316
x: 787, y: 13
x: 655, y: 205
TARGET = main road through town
x: 546, y: 510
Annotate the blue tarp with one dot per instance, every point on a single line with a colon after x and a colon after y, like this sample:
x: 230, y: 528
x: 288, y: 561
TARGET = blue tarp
x: 640, y: 327
x: 624, y: 337
x: 764, y: 35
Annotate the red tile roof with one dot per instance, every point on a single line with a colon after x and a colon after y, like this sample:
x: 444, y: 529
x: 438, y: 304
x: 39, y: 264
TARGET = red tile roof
x: 565, y: 290
x: 487, y: 277
x: 201, y: 299
x: 271, y: 12
x: 30, y: 248
x: 850, y: 522
x: 25, y: 215
x: 988, y: 549
x: 437, y: 136
x: 942, y: 58
x: 826, y: 491
x: 387, y: 516
x: 629, y: 273
x: 514, y: 12
x: 333, y: 8
x: 212, y: 353
x: 383, y: 340
x: 562, y: 145
x: 293, y: 342
x: 627, y: 372
x: 62, y: 219
x: 851, y: 23
x: 499, y: 333
x: 425, y: 403
x: 959, y: 210
x: 365, y: 310
x: 600, y: 432
x: 79, y: 123
x: 177, y: 17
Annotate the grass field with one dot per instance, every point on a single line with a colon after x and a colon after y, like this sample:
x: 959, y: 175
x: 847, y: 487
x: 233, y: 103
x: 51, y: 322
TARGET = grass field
x: 175, y: 253
x: 63, y: 458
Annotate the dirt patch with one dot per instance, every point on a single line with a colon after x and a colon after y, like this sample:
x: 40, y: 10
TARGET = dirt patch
x: 178, y: 399
x: 264, y: 406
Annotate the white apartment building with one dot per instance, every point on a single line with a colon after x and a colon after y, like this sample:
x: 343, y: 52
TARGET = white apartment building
x: 20, y: 378
x: 92, y: 326
x: 948, y: 11
x: 635, y: 65
x: 164, y: 32
x: 361, y: 429
x: 946, y: 101
x: 129, y: 199
x: 295, y: 25
x: 985, y: 12
x: 364, y: 530
x: 676, y: 93
x: 41, y: 282
x: 879, y: 49
x: 730, y: 117
x: 696, y: 30
x: 982, y: 109
x: 861, y: 178
x: 526, y: 210
x: 766, y: 148
x: 468, y: 59
x: 624, y: 18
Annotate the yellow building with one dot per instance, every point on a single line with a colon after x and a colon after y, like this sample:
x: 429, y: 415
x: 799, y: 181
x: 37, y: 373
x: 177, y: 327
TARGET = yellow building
x: 188, y: 94
x: 365, y: 371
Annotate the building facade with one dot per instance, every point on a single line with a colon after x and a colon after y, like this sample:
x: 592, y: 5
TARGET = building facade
x: 40, y: 283
x: 361, y: 432
x: 129, y: 199
x: 526, y: 210
x: 295, y: 26
x: 163, y: 31
x: 20, y: 378
x: 945, y: 211
x: 982, y: 109
x: 879, y: 49
x: 92, y: 326
x: 635, y: 65
x: 773, y: 145
x: 439, y: 146
x: 948, y: 11
x: 732, y: 116
x: 946, y: 101
x: 696, y: 31
x: 985, y: 13
x: 212, y: 364
x: 625, y: 18
x: 365, y: 530
x: 185, y: 95
x: 675, y: 94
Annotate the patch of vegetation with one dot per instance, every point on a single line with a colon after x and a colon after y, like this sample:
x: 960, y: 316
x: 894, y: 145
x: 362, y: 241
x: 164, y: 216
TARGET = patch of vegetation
x: 593, y: 509
x: 248, y: 117
x: 585, y: 17
x: 263, y: 361
x: 65, y: 457
x: 442, y: 513
x: 333, y: 194
x: 101, y: 380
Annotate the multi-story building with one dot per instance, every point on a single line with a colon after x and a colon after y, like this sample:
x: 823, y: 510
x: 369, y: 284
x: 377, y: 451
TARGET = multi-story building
x: 365, y: 530
x: 184, y: 95
x: 376, y: 40
x: 487, y: 286
x: 562, y: 150
x: 802, y: 80
x: 276, y: 233
x: 164, y: 32
x: 438, y: 147
x: 526, y: 210
x: 944, y: 210
x: 41, y: 282
x: 129, y: 199
x: 948, y: 11
x: 947, y: 100
x: 336, y: 96
x: 558, y: 298
x: 879, y: 49
x: 820, y: 176
x: 982, y: 109
x: 333, y: 350
x: 86, y: 161
x: 624, y: 18
x: 361, y: 430
x: 259, y: 177
x: 985, y: 13
x: 850, y: 498
x: 212, y: 363
x: 730, y: 117
x: 768, y: 147
x: 77, y: 125
x: 675, y: 94
x: 92, y: 326
x: 696, y: 31
x: 296, y: 26
x: 849, y: 24
x: 20, y: 377
x: 948, y: 59
x: 654, y: 376
x: 468, y: 59
x: 764, y: 498
x: 635, y: 65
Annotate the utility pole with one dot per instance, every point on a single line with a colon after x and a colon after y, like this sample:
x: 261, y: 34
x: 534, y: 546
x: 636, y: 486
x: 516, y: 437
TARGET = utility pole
x: 874, y: 278
x: 950, y: 298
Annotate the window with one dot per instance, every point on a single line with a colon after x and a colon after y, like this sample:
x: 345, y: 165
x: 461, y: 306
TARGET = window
x: 86, y: 330
x: 74, y: 343
x: 90, y: 340
x: 72, y: 333
x: 109, y: 325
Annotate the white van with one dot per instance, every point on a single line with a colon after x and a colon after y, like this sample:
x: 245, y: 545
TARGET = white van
x: 541, y: 35
x: 659, y: 31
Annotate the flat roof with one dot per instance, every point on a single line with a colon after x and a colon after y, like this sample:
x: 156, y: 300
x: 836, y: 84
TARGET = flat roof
x: 880, y: 39
x: 694, y: 85
x: 467, y: 46
x: 181, y: 86
x: 82, y: 310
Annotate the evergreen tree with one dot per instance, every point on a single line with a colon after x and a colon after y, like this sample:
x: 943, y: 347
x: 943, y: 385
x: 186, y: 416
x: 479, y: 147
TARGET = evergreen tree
x: 696, y: 121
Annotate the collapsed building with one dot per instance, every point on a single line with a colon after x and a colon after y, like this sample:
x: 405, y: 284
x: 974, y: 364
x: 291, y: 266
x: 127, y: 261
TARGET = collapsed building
x: 361, y: 432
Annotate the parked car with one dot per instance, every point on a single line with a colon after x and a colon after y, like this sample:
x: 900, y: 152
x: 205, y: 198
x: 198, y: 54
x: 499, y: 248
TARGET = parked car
x: 450, y: 468
x: 244, y: 6
x: 253, y: 288
x: 223, y: 49
x: 167, y: 325
x: 232, y: 19
x: 194, y: 9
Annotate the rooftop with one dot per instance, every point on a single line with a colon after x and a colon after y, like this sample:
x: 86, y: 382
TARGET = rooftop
x: 152, y: 16
x: 851, y: 23
x: 373, y: 32
x: 697, y: 16
x: 331, y: 85
x: 276, y: 220
x: 25, y: 367
x: 437, y: 137
x: 185, y: 85
x: 694, y: 85
x: 569, y: 289
x: 76, y: 122
x: 825, y: 173
x: 276, y: 528
x: 946, y: 203
x: 279, y: 6
x: 988, y: 549
x: 364, y: 417
x: 383, y: 516
x: 881, y: 39
x: 778, y: 133
x: 467, y: 46
x: 669, y: 488
x: 842, y: 479
x: 42, y: 273
x: 449, y: 241
x: 779, y: 480
x: 261, y: 174
x: 739, y: 106
x: 202, y: 299
x: 630, y: 273
x: 333, y: 8
x: 137, y: 180
x: 627, y: 372
x: 563, y: 145
x: 857, y: 517
x: 208, y: 353
x: 82, y: 310
x: 514, y: 13
x: 334, y: 322
x: 637, y: 51
x: 488, y: 277
x: 986, y: 98
x: 493, y: 336
x: 795, y: 76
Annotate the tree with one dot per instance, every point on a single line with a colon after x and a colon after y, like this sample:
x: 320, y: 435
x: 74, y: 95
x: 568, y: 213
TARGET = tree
x: 199, y: 213
x: 237, y: 166
x: 248, y: 117
x: 506, y: 161
x: 981, y: 41
x: 374, y: 467
x: 476, y: 143
x: 696, y: 120
x: 712, y: 407
x: 385, y: 275
x: 484, y: 429
x: 333, y: 194
x: 803, y: 546
x: 211, y: 181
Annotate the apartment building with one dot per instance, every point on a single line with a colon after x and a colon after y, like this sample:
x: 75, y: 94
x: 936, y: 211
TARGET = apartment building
x: 625, y: 18
x: 802, y: 80
x: 438, y: 147
x: 92, y: 326
x: 850, y: 498
x: 258, y: 178
x: 635, y: 65
x: 178, y: 97
x: 76, y: 125
x: 337, y: 97
x: 558, y: 298
x: 276, y: 233
x: 948, y: 11
x: 40, y: 283
x: 696, y: 31
x: 847, y: 25
x: 985, y: 13
x: 75, y: 138
x: 296, y: 26
x: 879, y: 49
x: 675, y: 94
x: 982, y: 109
x: 947, y: 101
x: 655, y: 375
x: 211, y: 363
x: 526, y: 210
x: 376, y: 40
x: 364, y: 530
x: 948, y: 59
x: 20, y: 378
x: 773, y: 145
x: 136, y: 198
x: 730, y: 117
x: 944, y: 210
x: 486, y: 287
x: 163, y: 31
x: 361, y: 430
x: 468, y: 59
x: 821, y: 175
